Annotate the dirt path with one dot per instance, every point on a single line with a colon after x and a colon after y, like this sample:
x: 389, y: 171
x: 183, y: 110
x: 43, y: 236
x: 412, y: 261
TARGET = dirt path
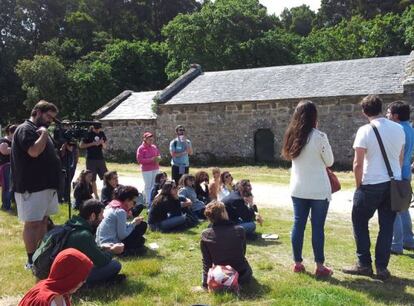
x: 266, y: 195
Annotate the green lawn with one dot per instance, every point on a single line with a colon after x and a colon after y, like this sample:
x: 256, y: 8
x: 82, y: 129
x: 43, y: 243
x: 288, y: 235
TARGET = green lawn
x: 166, y: 277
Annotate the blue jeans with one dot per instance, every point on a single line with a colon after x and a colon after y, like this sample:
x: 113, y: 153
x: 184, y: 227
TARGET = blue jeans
x: 5, y: 189
x: 403, y: 232
x: 102, y: 274
x: 318, y: 210
x: 249, y: 227
x: 169, y: 224
x: 368, y: 199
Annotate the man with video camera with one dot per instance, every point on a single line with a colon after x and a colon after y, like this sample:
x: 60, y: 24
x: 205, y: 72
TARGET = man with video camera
x: 94, y: 142
x: 69, y: 156
x: 36, y: 168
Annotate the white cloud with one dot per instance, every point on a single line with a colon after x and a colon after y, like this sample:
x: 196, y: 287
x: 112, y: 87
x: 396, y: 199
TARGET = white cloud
x: 277, y: 6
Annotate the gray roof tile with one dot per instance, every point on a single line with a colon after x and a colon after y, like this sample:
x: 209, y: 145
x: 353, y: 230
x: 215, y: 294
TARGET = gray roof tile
x: 137, y: 106
x: 382, y: 75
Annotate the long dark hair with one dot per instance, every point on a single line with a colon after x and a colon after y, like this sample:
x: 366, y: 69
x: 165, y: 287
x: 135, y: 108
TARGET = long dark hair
x: 108, y: 176
x: 296, y: 136
x: 82, y: 175
x: 165, y: 193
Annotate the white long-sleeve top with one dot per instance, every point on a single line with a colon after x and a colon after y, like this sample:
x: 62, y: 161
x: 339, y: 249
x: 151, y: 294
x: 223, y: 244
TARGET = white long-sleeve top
x: 309, y: 179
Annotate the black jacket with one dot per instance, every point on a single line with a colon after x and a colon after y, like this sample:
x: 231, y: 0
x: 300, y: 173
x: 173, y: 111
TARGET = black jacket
x: 81, y: 193
x: 107, y: 194
x: 238, y: 211
x: 225, y: 244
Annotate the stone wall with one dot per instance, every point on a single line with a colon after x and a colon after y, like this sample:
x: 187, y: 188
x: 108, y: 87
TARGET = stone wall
x: 124, y: 137
x: 226, y: 131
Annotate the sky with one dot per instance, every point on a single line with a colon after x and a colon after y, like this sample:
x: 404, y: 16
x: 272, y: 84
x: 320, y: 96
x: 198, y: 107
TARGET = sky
x: 277, y: 6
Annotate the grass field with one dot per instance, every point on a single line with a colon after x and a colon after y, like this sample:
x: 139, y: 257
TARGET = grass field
x: 166, y: 276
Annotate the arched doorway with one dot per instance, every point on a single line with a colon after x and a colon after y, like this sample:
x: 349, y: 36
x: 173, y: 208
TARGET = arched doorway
x: 264, y: 145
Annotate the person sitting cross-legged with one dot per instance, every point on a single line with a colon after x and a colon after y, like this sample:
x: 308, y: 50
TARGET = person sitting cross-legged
x: 186, y: 185
x: 83, y: 188
x: 223, y: 243
x: 83, y: 239
x: 160, y: 179
x: 115, y: 228
x: 169, y: 211
x: 110, y: 183
x: 241, y: 210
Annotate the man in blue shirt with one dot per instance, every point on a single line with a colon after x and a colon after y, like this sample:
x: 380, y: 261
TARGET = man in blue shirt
x: 403, y: 238
x: 180, y: 149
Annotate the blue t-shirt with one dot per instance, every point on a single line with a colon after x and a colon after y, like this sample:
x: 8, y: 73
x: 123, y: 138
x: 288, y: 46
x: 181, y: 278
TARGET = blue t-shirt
x: 178, y: 146
x: 408, y: 150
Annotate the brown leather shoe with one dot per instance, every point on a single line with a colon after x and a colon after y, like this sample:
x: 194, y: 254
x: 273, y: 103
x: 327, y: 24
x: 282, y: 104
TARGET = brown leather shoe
x: 358, y: 270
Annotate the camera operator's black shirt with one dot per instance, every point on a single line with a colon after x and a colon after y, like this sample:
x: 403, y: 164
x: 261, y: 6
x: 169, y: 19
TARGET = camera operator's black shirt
x: 33, y: 174
x: 94, y: 152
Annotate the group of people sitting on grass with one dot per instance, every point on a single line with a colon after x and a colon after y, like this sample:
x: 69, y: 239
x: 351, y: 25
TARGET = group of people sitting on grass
x: 103, y: 231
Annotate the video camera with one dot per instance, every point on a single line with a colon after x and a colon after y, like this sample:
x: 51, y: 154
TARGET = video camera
x: 71, y: 132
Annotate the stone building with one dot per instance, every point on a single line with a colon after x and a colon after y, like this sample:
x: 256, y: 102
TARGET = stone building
x: 242, y: 114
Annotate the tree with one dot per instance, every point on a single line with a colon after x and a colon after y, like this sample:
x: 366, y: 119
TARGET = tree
x: 407, y: 21
x: 333, y: 12
x: 44, y: 77
x: 217, y: 36
x: 298, y: 20
x: 356, y: 38
x: 91, y: 86
x: 371, y: 8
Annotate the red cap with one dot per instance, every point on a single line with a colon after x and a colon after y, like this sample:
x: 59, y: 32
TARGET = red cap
x: 148, y: 134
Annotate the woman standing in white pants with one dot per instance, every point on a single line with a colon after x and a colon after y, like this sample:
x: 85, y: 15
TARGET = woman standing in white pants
x: 149, y: 157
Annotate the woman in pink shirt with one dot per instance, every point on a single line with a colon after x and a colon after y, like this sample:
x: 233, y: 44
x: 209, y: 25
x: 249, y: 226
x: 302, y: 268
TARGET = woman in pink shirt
x: 149, y: 157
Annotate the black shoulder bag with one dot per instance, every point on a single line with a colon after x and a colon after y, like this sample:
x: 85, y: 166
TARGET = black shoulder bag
x: 401, y: 191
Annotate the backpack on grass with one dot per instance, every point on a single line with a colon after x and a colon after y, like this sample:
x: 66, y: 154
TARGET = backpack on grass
x: 51, y: 244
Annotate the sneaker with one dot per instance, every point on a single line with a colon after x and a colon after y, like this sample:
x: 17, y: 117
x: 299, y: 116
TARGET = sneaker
x: 323, y: 272
x: 383, y: 274
x: 28, y: 266
x: 298, y: 268
x: 358, y: 270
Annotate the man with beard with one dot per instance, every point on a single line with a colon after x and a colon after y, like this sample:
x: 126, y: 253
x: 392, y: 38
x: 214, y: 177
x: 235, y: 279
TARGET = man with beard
x: 35, y: 168
x: 82, y: 238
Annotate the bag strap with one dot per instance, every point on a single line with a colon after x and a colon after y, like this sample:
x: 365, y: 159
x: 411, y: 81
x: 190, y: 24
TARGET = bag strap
x: 384, y: 154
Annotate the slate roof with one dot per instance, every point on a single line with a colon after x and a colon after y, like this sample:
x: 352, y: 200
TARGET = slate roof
x: 340, y: 78
x: 138, y: 105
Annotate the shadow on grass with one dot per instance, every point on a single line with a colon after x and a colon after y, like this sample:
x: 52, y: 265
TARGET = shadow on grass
x: 390, y: 291
x: 254, y: 290
x: 110, y: 293
x: 251, y: 291
x: 263, y: 242
x: 142, y: 255
x: 408, y: 255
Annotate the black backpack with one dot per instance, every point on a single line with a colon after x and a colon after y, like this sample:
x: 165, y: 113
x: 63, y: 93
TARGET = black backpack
x: 50, y: 246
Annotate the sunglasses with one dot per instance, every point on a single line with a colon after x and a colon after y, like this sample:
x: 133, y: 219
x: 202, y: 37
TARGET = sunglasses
x: 227, y: 176
x: 181, y: 130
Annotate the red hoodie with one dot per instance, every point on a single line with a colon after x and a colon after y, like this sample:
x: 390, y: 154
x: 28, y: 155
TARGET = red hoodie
x: 69, y: 269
